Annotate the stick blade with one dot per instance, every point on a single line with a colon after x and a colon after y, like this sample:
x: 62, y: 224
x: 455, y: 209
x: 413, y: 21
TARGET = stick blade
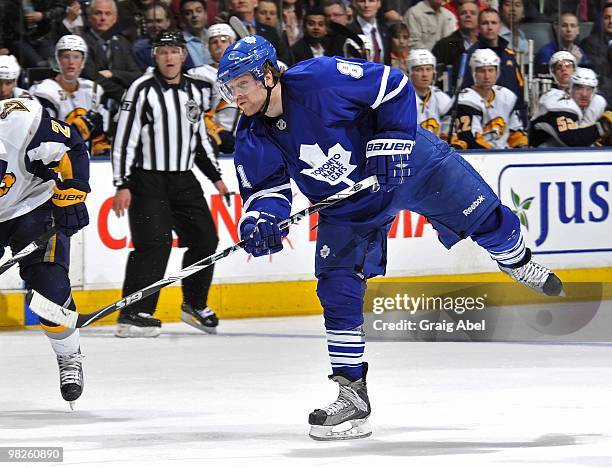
x: 51, y: 311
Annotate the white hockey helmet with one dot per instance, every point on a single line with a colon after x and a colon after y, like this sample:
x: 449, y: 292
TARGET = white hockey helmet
x: 9, y: 67
x: 561, y: 56
x: 221, y: 29
x: 71, y: 42
x: 418, y: 57
x: 483, y: 58
x: 585, y: 77
x: 351, y: 48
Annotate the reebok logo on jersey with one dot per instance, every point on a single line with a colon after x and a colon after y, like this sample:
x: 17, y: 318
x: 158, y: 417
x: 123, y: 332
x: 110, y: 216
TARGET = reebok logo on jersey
x: 388, y: 147
x: 468, y: 211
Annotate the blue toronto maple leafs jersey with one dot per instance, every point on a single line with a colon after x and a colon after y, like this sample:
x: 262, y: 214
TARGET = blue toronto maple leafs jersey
x: 332, y: 108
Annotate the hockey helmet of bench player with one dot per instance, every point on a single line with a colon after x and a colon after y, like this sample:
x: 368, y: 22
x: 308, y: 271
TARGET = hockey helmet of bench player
x: 483, y: 58
x: 248, y: 55
x: 9, y: 68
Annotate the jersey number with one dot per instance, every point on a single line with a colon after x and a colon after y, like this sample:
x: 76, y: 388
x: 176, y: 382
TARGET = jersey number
x: 463, y: 123
x: 59, y: 128
x: 7, y: 182
x: 565, y: 123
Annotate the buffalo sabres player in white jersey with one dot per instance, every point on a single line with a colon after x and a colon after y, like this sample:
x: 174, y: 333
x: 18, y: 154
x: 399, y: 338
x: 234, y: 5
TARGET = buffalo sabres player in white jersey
x: 44, y: 169
x: 73, y: 99
x: 433, y: 105
x: 9, y: 73
x: 222, y: 119
x: 487, y: 114
x: 577, y: 118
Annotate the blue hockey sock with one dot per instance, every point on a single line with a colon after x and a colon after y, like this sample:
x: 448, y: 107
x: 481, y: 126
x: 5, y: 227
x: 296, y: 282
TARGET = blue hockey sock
x: 500, y: 234
x: 346, y: 349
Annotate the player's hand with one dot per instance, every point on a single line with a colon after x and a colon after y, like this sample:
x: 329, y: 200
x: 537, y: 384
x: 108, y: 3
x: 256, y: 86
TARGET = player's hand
x: 121, y: 202
x: 390, y: 161
x: 69, y: 209
x: 223, y: 190
x: 262, y: 234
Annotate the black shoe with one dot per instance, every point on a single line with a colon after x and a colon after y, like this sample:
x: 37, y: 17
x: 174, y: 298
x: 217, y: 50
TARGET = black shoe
x: 202, y: 319
x: 137, y: 324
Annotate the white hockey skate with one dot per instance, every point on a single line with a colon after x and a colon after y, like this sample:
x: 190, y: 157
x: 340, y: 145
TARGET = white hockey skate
x: 202, y: 319
x: 71, y: 376
x: 137, y: 325
x: 535, y: 276
x: 347, y: 417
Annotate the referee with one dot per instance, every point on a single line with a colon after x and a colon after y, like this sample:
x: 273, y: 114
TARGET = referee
x: 160, y: 135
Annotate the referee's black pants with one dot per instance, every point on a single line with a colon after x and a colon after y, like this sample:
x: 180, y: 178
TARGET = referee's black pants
x: 162, y: 202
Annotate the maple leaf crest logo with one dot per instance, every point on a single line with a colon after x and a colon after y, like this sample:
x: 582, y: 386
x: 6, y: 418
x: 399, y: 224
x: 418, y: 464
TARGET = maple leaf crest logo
x: 333, y: 168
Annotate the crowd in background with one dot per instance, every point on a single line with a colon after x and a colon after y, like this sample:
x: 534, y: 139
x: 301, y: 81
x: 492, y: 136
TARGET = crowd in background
x: 119, y: 37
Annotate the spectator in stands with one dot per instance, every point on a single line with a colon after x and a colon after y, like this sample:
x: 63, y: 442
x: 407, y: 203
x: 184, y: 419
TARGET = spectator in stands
x: 335, y: 11
x: 428, y: 22
x: 448, y: 50
x: 292, y: 20
x: 579, y: 121
x: 512, y: 15
x: 599, y: 52
x: 366, y: 23
x: 315, y: 42
x: 156, y: 19
x: 267, y: 13
x: 30, y: 32
x: 569, y: 30
x: 74, y: 22
x: 131, y: 17
x: 397, y: 46
x: 453, y: 6
x: 350, y: 13
x: 394, y: 10
x: 109, y: 62
x: 245, y: 10
x: 193, y: 16
x: 489, y: 22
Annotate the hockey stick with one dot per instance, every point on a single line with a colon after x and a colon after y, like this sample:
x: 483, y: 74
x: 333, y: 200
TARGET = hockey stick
x: 238, y: 26
x: 48, y: 310
x: 33, y: 246
x: 460, y: 76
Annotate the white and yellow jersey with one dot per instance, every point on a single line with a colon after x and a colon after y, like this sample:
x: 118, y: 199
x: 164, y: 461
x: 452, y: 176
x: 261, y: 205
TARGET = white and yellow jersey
x: 222, y: 114
x: 32, y: 146
x: 433, y: 111
x: 559, y: 121
x: 68, y: 106
x: 488, y: 123
x: 21, y: 93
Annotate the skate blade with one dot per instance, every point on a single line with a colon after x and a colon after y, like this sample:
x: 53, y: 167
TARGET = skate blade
x: 71, y: 403
x: 130, y: 331
x: 194, y: 322
x: 355, y: 429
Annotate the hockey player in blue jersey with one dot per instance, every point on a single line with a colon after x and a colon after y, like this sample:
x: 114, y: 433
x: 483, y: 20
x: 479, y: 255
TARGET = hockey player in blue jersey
x: 328, y: 123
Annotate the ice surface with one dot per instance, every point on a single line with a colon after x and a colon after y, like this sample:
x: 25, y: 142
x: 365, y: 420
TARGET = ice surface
x: 242, y: 398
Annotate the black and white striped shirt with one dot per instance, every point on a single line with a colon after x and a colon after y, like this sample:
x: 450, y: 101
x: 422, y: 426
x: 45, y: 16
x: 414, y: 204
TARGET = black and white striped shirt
x: 161, y: 128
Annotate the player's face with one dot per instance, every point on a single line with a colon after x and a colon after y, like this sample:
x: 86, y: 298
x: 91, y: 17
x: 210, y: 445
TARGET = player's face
x: 569, y: 28
x: 194, y: 15
x: 71, y: 64
x: 489, y: 26
x: 422, y: 77
x: 336, y: 14
x: 582, y: 94
x: 156, y: 20
x: 367, y: 9
x: 315, y: 26
x: 217, y: 46
x: 486, y: 77
x: 400, y: 42
x: 169, y: 60
x: 102, y: 16
x: 248, y: 93
x: 267, y: 13
x: 563, y: 71
x: 6, y: 88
